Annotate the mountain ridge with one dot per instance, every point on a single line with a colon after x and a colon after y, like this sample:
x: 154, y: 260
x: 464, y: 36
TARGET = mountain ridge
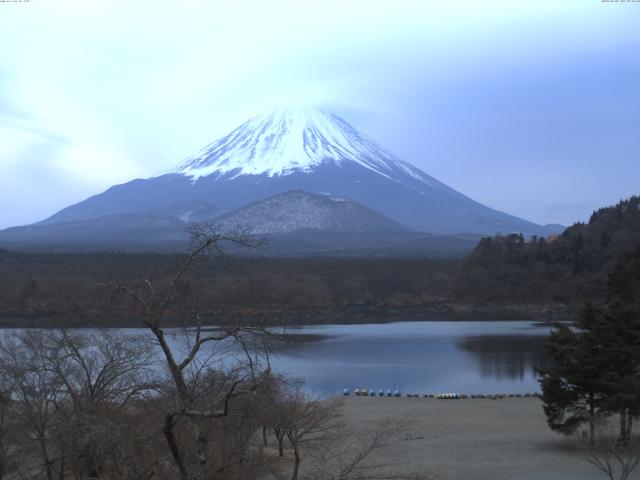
x: 310, y: 150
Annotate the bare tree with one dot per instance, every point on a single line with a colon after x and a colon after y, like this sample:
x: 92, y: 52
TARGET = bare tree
x: 107, y: 368
x: 308, y: 422
x: 3, y: 434
x: 195, y: 401
x: 350, y: 454
x: 71, y: 402
x: 6, y: 434
x: 617, y: 460
x: 338, y: 453
x: 283, y: 393
x: 279, y: 423
x: 270, y: 392
x: 34, y: 392
x: 103, y: 376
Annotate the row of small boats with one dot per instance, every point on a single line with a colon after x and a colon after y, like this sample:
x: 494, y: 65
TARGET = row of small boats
x: 365, y: 392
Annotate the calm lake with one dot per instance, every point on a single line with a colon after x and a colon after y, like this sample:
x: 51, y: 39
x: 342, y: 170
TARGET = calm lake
x: 476, y: 357
x: 419, y: 357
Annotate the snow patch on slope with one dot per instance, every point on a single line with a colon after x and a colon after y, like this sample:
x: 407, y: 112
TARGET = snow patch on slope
x: 186, y: 216
x: 299, y: 210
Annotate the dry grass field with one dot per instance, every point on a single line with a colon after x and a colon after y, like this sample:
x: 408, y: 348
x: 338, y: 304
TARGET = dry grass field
x: 474, y: 439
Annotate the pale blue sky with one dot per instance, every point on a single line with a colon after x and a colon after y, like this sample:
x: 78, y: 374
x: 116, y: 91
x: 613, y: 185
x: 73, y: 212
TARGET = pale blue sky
x: 531, y: 107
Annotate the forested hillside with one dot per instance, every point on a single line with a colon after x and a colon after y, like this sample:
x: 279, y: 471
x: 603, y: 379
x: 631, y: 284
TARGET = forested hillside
x: 62, y: 286
x: 570, y: 268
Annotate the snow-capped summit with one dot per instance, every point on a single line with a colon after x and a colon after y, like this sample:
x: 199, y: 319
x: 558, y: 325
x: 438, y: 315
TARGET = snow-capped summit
x: 286, y: 141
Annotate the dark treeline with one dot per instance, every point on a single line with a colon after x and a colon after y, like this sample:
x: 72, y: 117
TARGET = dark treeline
x: 60, y: 284
x: 570, y: 268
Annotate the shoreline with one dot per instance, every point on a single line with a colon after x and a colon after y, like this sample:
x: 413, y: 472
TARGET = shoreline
x: 346, y: 315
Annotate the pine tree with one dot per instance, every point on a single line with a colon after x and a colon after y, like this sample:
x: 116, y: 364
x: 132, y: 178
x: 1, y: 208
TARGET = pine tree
x: 596, y: 359
x: 571, y: 388
x: 624, y: 280
x: 620, y: 381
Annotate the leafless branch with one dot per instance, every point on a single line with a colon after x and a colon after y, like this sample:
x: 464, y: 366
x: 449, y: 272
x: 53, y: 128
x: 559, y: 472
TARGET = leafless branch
x: 617, y: 461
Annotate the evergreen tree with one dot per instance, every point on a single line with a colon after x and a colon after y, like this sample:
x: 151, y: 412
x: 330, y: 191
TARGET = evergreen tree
x: 596, y: 360
x: 620, y: 381
x: 571, y: 388
x: 624, y: 280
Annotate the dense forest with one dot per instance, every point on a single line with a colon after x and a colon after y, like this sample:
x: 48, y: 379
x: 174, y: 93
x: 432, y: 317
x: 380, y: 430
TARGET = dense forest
x: 62, y: 287
x: 501, y: 272
x: 572, y: 267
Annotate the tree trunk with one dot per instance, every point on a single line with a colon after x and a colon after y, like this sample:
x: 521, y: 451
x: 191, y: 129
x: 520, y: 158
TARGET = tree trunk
x: 592, y: 420
x: 264, y: 436
x: 624, y: 434
x: 296, y: 461
x: 45, y: 454
x: 281, y: 446
x: 201, y: 445
x: 3, y: 449
x: 175, y: 371
x: 61, y: 473
x: 173, y: 445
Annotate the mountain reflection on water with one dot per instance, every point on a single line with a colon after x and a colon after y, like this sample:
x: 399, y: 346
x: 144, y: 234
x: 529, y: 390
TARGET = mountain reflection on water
x: 505, y: 356
x: 419, y: 357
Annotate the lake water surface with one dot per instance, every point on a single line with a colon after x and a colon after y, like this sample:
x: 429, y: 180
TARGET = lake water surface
x: 419, y: 357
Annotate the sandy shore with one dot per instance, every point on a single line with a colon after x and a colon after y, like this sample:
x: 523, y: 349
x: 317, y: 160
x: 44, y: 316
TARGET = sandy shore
x: 474, y: 439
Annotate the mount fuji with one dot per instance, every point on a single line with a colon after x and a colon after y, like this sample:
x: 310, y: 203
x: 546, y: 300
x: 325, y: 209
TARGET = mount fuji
x: 310, y: 150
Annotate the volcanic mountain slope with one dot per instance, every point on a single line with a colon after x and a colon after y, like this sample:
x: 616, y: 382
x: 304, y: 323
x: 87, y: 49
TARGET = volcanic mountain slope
x: 295, y: 223
x: 136, y: 232
x: 297, y: 210
x: 311, y: 150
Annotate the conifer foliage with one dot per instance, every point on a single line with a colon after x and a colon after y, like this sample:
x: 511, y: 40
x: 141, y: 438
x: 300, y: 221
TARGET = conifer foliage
x: 596, y: 371
x: 572, y: 267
